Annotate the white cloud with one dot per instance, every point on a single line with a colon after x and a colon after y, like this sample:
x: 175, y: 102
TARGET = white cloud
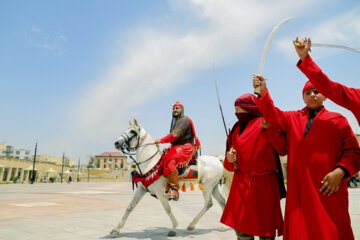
x: 36, y: 29
x: 63, y: 38
x: 50, y: 42
x: 342, y: 30
x: 48, y: 46
x: 156, y: 61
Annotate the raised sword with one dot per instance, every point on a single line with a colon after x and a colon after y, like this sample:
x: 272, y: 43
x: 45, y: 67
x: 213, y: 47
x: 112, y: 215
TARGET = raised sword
x: 266, y: 49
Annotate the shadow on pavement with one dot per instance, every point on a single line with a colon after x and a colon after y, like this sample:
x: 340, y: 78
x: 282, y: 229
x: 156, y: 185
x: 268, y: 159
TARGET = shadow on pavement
x: 161, y: 233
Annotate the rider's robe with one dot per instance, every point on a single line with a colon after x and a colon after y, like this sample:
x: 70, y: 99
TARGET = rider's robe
x: 329, y: 143
x: 182, y: 139
x: 253, y: 205
x: 348, y: 98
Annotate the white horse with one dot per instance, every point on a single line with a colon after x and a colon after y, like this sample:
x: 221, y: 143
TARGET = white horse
x: 147, y: 155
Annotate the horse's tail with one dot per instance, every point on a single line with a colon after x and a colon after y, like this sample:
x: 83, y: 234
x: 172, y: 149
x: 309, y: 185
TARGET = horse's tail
x: 226, y: 179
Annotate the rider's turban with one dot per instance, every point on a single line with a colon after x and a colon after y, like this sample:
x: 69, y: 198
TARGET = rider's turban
x: 177, y: 103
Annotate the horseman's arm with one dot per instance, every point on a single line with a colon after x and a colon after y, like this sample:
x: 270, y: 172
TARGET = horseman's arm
x: 167, y: 139
x: 197, y: 141
x: 176, y: 133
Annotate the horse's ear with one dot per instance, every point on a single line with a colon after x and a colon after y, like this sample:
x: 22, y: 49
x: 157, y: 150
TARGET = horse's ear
x: 132, y: 125
x: 136, y: 122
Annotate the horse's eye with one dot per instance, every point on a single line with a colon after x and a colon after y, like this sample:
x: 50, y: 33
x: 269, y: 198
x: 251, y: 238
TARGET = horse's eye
x: 133, y: 132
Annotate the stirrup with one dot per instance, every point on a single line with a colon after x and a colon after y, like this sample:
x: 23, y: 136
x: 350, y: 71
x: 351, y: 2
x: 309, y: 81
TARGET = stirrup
x: 170, y: 196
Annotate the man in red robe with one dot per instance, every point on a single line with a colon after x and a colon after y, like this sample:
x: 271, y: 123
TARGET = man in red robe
x: 322, y: 151
x: 253, y: 205
x: 346, y: 97
x: 183, y: 138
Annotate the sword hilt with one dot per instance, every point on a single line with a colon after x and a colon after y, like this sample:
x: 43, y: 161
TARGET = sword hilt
x: 257, y: 88
x: 300, y: 45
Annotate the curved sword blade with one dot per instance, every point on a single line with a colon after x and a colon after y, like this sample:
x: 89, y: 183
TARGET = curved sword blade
x: 268, y: 42
x: 334, y: 46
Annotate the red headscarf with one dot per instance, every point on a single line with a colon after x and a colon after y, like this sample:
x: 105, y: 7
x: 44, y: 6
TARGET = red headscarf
x: 177, y: 103
x: 247, y: 102
x: 308, y: 85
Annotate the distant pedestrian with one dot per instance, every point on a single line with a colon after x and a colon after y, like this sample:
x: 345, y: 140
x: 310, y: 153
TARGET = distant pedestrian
x: 69, y: 180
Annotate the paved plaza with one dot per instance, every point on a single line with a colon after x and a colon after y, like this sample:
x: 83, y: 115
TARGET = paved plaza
x: 91, y: 210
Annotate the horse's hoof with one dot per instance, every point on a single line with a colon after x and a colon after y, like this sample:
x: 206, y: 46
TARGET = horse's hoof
x: 190, y: 228
x: 114, y: 232
x: 171, y: 234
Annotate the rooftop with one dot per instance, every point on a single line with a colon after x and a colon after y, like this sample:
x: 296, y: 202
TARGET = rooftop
x: 110, y: 154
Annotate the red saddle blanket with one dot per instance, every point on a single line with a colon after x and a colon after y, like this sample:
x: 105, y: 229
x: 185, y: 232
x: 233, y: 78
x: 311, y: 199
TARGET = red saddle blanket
x: 188, y: 173
x: 151, y: 176
x: 191, y: 173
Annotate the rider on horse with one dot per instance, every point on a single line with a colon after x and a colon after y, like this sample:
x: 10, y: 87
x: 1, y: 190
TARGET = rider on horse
x: 184, y: 144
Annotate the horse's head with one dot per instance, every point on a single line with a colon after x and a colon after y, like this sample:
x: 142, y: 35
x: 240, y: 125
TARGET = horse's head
x: 130, y: 139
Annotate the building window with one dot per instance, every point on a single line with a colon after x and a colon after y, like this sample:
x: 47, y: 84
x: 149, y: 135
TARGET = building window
x: 17, y: 152
x: 115, y: 160
x: 104, y: 160
x: 104, y: 165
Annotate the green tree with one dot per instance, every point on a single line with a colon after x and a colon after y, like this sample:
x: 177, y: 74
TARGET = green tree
x: 93, y: 162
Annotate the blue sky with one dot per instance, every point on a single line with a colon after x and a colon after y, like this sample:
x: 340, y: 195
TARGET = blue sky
x: 73, y: 73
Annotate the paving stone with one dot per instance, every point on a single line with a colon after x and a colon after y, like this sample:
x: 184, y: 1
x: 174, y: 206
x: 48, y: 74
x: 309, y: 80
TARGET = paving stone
x: 91, y: 210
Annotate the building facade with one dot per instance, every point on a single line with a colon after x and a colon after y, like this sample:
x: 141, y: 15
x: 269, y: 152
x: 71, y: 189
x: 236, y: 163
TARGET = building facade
x: 56, y: 160
x: 11, y: 152
x: 23, y: 170
x: 112, y: 160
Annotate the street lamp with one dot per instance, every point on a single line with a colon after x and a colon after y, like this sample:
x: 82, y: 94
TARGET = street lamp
x: 62, y: 167
x: 78, y: 178
x: 33, y: 171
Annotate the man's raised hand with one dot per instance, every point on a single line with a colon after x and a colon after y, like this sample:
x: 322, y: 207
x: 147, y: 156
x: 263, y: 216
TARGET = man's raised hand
x: 302, y: 47
x: 259, y: 80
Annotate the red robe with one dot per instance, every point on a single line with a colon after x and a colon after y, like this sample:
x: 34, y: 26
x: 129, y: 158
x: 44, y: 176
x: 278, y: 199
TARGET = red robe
x: 348, y: 98
x: 330, y: 142
x: 253, y: 205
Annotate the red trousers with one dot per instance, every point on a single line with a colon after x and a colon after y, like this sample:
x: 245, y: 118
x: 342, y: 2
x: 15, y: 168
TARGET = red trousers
x: 178, y: 156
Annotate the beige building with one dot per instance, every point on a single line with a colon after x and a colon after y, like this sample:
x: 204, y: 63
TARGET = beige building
x: 22, y: 170
x: 3, y: 145
x: 111, y: 160
x: 56, y: 160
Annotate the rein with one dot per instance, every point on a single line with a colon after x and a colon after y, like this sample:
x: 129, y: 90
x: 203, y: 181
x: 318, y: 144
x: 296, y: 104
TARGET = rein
x: 138, y: 164
x: 134, y: 149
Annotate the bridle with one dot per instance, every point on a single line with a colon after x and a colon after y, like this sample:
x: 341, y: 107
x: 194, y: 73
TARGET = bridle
x: 130, y: 151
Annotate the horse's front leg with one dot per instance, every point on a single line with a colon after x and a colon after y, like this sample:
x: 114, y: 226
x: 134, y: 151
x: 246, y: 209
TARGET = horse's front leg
x: 166, y: 206
x: 140, y: 192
